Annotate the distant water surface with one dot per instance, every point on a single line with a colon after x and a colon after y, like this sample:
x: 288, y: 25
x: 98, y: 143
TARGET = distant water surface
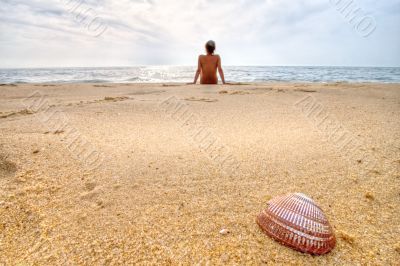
x: 160, y: 74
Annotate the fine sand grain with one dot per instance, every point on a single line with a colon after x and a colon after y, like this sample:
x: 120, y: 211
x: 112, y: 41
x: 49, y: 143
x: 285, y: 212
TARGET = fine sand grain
x: 110, y: 174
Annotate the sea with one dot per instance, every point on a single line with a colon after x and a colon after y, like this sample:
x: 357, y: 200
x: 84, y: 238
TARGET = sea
x: 180, y: 74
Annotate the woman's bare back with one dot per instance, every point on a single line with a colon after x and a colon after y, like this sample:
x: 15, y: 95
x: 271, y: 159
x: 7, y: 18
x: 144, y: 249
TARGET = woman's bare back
x: 209, y: 66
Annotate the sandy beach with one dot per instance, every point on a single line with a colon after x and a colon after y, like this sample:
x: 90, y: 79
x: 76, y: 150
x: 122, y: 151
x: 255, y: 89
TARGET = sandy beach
x: 151, y: 174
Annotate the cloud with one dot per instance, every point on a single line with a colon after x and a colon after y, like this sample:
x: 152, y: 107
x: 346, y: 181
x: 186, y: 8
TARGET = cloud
x: 248, y: 32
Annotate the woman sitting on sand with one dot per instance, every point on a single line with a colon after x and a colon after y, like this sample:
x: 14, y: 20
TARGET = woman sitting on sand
x: 208, y: 66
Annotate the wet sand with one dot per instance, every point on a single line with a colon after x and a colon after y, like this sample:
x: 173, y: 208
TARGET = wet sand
x: 150, y: 174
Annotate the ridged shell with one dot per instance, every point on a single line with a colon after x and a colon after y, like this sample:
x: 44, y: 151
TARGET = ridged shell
x: 296, y: 221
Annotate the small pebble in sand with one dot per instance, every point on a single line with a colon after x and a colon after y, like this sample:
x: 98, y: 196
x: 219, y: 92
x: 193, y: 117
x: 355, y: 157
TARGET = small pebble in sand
x: 369, y: 196
x: 224, y: 231
x: 35, y: 151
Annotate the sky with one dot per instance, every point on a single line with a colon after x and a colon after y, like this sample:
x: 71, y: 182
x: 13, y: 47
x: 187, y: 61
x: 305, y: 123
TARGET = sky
x: 79, y: 33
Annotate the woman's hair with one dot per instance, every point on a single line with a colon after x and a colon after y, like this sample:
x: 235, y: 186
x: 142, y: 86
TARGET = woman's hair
x: 210, y: 47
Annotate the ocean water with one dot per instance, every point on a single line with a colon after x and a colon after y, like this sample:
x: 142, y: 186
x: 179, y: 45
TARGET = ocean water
x: 161, y: 74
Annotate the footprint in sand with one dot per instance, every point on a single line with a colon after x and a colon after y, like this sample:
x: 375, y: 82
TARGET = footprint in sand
x: 17, y: 113
x: 7, y: 168
x: 90, y: 196
x: 91, y: 191
x: 8, y: 85
x: 193, y: 99
x: 305, y: 90
x: 234, y: 92
x: 89, y: 186
x: 46, y: 85
x: 172, y: 85
x: 105, y: 99
x: 239, y: 93
x: 102, y: 86
x: 115, y: 99
x: 58, y: 132
x: 93, y: 194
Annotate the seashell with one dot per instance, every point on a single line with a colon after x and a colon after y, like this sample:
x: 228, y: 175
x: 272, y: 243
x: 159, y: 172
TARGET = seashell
x: 296, y: 221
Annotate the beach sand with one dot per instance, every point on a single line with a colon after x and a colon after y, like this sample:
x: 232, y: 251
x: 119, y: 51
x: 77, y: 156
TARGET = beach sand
x: 149, y: 174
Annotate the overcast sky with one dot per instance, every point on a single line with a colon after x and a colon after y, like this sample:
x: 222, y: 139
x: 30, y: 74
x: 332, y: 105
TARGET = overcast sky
x: 51, y: 33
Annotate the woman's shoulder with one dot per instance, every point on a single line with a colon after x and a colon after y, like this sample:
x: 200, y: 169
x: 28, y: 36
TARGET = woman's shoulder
x: 203, y: 55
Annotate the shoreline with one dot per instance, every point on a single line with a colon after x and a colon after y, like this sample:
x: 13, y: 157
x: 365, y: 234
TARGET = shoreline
x: 219, y: 84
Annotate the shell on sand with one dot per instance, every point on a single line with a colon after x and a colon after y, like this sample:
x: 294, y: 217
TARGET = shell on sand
x: 296, y: 221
